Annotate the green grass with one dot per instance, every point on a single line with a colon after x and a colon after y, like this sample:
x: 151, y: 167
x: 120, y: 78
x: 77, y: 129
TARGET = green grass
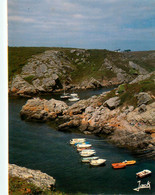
x: 127, y: 97
x: 127, y: 92
x: 29, y: 79
x: 92, y: 66
x: 145, y: 59
x: 18, y: 186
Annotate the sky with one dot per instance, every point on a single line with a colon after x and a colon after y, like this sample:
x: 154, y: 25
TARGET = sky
x: 89, y: 24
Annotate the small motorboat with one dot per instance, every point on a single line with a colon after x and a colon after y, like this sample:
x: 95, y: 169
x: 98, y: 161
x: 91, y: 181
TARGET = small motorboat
x: 86, y: 150
x: 87, y: 153
x: 129, y: 162
x: 118, y: 165
x: 143, y: 173
x: 74, y: 99
x: 77, y: 140
x: 143, y: 186
x: 84, y: 145
x: 81, y: 143
x: 65, y: 96
x: 97, y: 162
x: 74, y: 94
x: 88, y: 159
x: 82, y: 149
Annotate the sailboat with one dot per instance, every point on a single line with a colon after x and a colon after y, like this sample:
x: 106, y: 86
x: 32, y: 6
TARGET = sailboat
x: 65, y: 95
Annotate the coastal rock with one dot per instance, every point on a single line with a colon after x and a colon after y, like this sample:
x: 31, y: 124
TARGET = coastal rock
x: 142, y: 77
x: 89, y: 109
x: 93, y: 83
x: 142, y: 108
x: 20, y: 86
x: 130, y: 140
x: 143, y: 98
x: 41, y: 109
x: 36, y: 177
x: 147, y: 116
x: 112, y: 103
x: 138, y: 68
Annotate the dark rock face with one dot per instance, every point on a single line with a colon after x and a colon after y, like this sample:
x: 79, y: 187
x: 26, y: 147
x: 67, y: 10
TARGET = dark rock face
x: 130, y: 140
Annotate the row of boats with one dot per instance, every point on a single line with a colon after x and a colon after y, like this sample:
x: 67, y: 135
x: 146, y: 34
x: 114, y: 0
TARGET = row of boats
x: 85, y: 150
x: 71, y: 97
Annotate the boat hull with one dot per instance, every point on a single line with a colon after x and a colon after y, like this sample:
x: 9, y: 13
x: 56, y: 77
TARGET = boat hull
x: 131, y: 162
x: 87, y: 154
x: 87, y: 160
x: 143, y: 173
x: 118, y: 165
x: 97, y: 162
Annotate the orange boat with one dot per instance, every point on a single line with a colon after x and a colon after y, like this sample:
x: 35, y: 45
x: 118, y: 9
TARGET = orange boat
x: 118, y: 165
x: 129, y: 162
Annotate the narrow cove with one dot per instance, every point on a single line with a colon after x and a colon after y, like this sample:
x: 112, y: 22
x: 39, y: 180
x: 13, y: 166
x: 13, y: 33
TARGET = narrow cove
x: 38, y: 146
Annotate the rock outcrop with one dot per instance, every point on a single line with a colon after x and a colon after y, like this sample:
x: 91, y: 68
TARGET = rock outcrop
x: 123, y: 126
x: 36, y: 177
x: 57, y: 69
x: 41, y: 109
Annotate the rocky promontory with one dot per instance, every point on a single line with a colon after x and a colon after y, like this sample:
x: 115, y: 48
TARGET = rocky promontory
x: 61, y: 68
x: 36, y: 177
x: 126, y: 116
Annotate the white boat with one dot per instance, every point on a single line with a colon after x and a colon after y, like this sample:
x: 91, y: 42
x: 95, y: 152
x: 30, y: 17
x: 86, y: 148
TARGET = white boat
x: 65, y: 96
x: 74, y: 99
x: 97, y: 162
x: 143, y: 173
x: 143, y: 186
x: 85, y: 150
x: 84, y: 145
x: 74, y: 94
x: 88, y: 159
x: 77, y: 140
x: 87, y: 154
x: 81, y: 149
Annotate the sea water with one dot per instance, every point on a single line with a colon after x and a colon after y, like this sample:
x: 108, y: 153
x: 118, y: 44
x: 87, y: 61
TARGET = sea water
x: 39, y: 146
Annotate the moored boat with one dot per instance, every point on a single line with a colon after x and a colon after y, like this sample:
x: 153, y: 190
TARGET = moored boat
x: 77, y: 140
x: 143, y: 173
x: 87, y: 154
x: 97, y: 162
x: 81, y: 149
x: 87, y: 150
x: 81, y: 143
x: 65, y: 96
x: 84, y: 145
x: 74, y: 94
x: 88, y: 159
x: 118, y: 165
x: 74, y: 99
x: 129, y: 162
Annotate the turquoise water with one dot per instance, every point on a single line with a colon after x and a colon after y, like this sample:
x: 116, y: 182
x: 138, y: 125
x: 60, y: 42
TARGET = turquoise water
x: 38, y: 146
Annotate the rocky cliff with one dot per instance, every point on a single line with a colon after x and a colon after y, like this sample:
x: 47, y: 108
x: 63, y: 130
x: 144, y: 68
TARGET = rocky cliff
x: 35, y: 177
x: 59, y: 68
x: 126, y: 115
